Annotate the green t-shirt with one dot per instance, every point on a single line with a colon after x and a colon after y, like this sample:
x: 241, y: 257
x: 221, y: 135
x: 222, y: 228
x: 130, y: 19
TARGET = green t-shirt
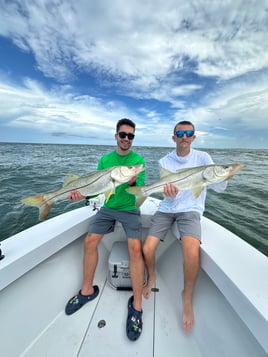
x: 122, y: 200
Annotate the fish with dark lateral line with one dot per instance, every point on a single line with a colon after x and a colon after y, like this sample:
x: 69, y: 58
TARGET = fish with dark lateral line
x: 94, y: 183
x: 192, y: 178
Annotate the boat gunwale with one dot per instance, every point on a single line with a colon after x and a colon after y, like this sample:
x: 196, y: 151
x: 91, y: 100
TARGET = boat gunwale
x: 29, y: 248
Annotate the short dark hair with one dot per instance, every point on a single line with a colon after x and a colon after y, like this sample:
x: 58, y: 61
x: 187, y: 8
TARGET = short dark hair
x: 125, y: 121
x: 183, y: 122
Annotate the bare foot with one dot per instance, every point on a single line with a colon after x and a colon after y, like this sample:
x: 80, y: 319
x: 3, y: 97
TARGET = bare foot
x: 187, y: 314
x: 147, y: 289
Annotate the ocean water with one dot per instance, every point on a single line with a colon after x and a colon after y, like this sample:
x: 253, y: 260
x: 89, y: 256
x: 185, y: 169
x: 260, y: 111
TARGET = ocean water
x: 28, y: 169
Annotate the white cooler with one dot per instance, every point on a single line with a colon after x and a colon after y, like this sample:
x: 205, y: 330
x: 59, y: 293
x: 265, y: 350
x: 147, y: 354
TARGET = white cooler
x: 118, y: 274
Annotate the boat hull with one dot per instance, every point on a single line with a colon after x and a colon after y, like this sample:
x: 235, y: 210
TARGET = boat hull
x: 43, y: 269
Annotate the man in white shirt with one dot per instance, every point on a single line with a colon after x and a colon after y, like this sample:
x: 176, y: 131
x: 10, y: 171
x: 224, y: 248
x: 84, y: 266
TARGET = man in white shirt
x: 186, y: 210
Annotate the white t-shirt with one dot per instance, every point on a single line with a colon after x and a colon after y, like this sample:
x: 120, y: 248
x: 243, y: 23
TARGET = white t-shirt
x: 185, y: 201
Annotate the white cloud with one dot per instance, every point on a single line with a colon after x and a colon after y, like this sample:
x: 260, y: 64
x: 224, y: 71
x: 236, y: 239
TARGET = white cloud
x: 164, y: 51
x: 62, y: 112
x: 133, y: 40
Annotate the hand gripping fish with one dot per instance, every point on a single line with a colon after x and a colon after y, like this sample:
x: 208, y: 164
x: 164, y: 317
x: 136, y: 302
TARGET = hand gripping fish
x: 192, y: 178
x: 94, y: 183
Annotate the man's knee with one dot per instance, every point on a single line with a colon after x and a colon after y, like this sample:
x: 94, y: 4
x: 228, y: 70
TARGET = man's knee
x: 191, y: 248
x: 149, y: 246
x: 91, y: 241
x: 146, y: 249
x: 134, y: 248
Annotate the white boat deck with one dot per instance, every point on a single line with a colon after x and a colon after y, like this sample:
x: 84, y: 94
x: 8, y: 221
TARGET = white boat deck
x: 41, y: 272
x: 79, y: 335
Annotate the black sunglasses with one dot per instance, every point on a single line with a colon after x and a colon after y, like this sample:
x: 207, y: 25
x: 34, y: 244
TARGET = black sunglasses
x: 188, y: 133
x: 123, y: 134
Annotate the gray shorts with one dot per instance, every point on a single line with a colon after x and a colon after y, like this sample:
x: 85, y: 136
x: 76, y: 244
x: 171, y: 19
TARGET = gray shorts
x: 188, y: 224
x: 105, y: 218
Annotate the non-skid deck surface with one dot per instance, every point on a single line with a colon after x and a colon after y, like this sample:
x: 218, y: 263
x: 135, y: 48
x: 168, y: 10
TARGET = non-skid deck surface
x: 111, y: 340
x: 79, y: 335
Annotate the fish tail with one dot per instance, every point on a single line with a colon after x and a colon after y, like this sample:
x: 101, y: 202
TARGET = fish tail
x: 40, y: 202
x: 137, y: 191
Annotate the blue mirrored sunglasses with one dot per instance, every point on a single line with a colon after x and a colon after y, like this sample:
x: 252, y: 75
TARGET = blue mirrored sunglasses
x: 188, y: 133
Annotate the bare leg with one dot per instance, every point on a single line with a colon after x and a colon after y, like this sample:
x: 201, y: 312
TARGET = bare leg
x: 149, y: 249
x: 90, y: 262
x: 136, y: 266
x: 191, y: 262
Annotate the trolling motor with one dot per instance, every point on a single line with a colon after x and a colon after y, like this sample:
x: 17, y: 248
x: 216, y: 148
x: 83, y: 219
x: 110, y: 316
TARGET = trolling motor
x: 1, y: 255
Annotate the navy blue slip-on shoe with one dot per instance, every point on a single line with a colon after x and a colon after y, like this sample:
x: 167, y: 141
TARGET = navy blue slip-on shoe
x: 79, y: 300
x: 134, y: 321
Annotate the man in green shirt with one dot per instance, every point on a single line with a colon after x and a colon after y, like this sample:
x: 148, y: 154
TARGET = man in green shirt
x: 120, y: 207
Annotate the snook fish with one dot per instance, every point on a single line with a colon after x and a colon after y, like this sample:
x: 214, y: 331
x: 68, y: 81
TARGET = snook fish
x: 192, y: 178
x: 94, y: 183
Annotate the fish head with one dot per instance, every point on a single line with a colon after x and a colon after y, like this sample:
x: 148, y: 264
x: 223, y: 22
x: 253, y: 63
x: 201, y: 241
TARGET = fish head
x: 125, y: 173
x: 227, y: 171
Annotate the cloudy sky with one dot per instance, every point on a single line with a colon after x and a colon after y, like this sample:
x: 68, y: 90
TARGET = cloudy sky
x: 70, y: 69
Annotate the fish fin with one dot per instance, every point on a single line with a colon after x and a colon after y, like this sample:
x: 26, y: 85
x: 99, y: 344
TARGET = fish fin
x: 137, y: 191
x: 164, y: 172
x: 197, y: 191
x: 70, y: 178
x: 40, y: 202
x: 108, y: 194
